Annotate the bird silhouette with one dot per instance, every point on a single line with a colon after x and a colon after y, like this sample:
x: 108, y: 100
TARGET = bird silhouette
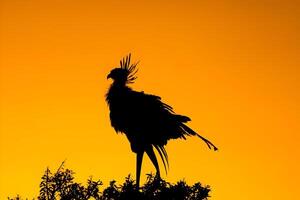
x: 146, y: 121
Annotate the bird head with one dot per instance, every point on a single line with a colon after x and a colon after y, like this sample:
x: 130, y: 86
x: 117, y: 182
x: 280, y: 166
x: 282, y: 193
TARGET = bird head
x: 125, y: 73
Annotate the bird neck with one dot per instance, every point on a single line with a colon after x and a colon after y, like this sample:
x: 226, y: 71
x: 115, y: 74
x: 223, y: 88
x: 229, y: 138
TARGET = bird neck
x: 118, y: 84
x: 116, y: 91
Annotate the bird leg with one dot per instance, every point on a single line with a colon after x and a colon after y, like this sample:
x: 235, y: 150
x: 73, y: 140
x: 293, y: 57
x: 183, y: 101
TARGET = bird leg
x: 151, y: 154
x: 139, y: 159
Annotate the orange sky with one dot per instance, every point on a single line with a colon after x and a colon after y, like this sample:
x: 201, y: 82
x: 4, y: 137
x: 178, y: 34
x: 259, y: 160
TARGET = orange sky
x: 232, y: 66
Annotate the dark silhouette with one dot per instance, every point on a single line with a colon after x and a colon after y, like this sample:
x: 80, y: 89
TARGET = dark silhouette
x: 144, y: 118
x: 61, y: 185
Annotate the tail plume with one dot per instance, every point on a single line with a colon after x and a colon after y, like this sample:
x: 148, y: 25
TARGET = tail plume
x: 164, y: 156
x: 191, y: 132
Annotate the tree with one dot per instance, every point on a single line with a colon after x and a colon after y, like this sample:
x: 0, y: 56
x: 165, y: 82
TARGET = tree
x: 61, y: 186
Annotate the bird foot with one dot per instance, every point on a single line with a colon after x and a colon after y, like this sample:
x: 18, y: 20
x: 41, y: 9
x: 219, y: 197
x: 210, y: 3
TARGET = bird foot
x: 157, y: 178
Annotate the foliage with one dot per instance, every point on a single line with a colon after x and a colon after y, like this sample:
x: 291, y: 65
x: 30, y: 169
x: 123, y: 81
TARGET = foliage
x: 61, y: 186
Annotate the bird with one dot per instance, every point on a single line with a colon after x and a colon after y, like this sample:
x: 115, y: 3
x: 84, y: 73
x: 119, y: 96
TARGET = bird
x: 145, y: 119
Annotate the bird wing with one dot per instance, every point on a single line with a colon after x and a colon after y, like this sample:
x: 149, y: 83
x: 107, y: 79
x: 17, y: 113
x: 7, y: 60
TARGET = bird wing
x: 155, y: 121
x: 151, y: 117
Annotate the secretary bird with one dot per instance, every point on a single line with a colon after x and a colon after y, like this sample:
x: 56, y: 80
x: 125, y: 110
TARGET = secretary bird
x: 146, y: 121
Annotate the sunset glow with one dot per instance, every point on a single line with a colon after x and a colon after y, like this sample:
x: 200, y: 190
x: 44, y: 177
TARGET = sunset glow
x: 231, y: 66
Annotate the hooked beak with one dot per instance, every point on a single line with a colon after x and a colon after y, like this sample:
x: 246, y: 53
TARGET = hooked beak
x: 108, y: 76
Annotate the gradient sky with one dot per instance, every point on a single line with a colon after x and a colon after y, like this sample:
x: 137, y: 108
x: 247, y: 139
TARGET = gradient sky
x: 232, y: 66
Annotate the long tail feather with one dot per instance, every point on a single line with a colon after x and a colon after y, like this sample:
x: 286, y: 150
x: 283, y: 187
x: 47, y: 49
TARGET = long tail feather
x: 164, y: 156
x: 190, y: 131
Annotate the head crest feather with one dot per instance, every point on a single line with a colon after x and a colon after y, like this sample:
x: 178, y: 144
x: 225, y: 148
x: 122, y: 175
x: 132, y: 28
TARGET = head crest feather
x: 130, y: 68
